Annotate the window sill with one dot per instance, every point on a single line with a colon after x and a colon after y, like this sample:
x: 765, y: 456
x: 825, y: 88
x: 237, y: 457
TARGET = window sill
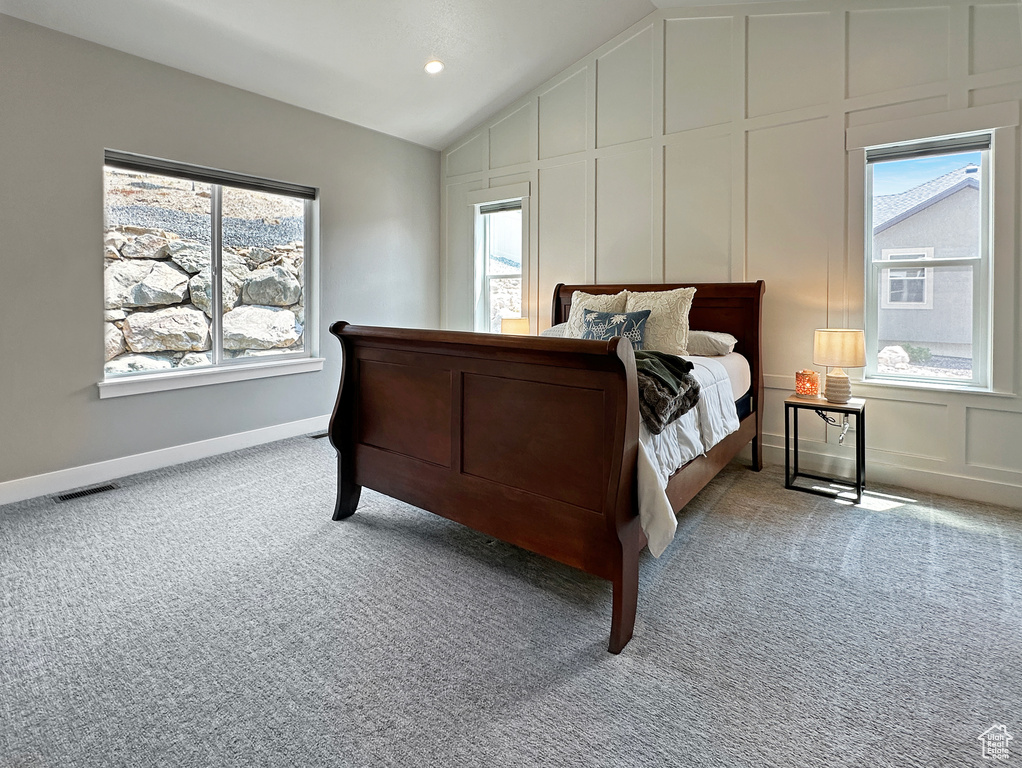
x: 929, y: 386
x: 199, y: 377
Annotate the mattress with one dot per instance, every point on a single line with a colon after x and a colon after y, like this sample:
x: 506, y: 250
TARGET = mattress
x: 738, y: 372
x: 722, y: 381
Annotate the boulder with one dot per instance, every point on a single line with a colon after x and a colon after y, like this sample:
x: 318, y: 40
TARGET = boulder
x: 114, y: 239
x: 146, y: 246
x: 235, y: 264
x: 193, y: 359
x: 259, y: 327
x: 293, y: 263
x: 165, y: 284
x: 234, y: 355
x: 258, y: 256
x: 190, y: 255
x: 120, y: 277
x: 113, y: 315
x: 174, y: 329
x: 113, y: 340
x: 274, y: 286
x: 131, y: 229
x: 892, y: 356
x: 201, y: 290
x: 135, y: 363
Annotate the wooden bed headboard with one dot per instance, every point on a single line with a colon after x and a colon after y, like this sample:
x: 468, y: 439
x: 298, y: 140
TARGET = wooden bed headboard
x: 734, y: 308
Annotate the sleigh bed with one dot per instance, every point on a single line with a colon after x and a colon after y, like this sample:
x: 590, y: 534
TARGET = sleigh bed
x: 530, y: 440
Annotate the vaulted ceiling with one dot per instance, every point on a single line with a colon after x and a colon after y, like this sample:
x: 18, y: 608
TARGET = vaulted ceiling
x: 358, y: 60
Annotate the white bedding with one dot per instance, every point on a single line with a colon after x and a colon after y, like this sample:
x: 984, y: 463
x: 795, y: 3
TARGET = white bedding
x: 712, y: 419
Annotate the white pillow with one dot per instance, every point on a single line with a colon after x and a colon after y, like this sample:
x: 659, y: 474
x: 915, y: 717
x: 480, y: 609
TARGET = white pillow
x: 710, y: 343
x: 554, y: 331
x: 667, y: 327
x: 599, y: 302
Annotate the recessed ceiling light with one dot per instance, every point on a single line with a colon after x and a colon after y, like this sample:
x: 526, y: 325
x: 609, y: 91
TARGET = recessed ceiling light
x: 434, y: 67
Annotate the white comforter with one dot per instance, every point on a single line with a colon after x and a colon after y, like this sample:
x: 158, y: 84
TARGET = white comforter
x: 712, y: 419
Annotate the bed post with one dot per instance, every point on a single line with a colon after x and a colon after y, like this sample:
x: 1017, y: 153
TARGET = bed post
x: 342, y: 432
x: 757, y: 444
x: 555, y: 313
x: 626, y: 599
x: 348, y: 492
x: 757, y: 382
x: 622, y: 511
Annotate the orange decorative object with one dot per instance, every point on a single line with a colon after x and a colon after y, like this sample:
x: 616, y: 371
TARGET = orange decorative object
x: 807, y: 383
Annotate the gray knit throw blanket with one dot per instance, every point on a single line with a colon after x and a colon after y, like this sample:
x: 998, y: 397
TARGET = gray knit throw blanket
x: 667, y: 388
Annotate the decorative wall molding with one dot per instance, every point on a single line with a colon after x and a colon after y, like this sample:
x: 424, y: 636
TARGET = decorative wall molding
x: 879, y: 470
x: 735, y: 167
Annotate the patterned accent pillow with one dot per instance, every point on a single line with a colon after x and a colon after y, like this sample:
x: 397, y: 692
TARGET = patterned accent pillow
x: 600, y: 302
x: 667, y: 329
x: 607, y: 325
x: 710, y: 343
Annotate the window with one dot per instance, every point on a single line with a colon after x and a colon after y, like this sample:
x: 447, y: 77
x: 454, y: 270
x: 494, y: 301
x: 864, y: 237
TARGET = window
x: 202, y: 270
x: 910, y: 287
x: 928, y: 260
x: 501, y: 256
x: 501, y: 229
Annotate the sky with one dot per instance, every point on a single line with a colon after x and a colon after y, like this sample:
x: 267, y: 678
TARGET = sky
x: 896, y: 176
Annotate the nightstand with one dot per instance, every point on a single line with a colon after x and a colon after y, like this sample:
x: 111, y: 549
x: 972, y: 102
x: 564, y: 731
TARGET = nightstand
x: 856, y: 407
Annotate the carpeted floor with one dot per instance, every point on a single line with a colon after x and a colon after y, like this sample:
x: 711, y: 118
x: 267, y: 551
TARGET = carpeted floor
x: 213, y: 615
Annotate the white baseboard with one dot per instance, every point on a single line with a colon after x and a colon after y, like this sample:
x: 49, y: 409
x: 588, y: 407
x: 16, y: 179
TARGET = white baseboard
x: 104, y: 471
x: 912, y: 478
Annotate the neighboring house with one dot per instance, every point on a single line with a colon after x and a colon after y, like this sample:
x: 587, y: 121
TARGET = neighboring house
x: 930, y: 306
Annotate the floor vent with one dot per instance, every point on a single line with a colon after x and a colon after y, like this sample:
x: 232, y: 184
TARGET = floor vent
x: 320, y: 436
x: 86, y: 492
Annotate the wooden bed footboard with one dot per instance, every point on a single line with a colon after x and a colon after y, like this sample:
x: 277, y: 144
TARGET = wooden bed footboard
x: 530, y: 440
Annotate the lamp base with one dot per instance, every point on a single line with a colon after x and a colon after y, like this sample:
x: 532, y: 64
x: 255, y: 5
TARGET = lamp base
x: 839, y: 388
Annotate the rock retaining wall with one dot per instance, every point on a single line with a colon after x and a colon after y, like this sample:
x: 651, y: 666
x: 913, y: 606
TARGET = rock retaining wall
x: 159, y: 296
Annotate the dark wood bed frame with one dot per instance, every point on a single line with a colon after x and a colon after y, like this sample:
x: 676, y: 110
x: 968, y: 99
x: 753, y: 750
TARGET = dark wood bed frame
x: 531, y: 440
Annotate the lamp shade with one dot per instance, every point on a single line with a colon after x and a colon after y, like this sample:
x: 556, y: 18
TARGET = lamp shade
x: 839, y: 347
x: 518, y: 326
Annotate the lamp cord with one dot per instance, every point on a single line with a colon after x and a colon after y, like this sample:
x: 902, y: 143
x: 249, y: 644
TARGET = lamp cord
x: 834, y: 423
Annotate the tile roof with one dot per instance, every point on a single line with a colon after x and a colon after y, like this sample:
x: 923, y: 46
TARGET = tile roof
x: 887, y: 209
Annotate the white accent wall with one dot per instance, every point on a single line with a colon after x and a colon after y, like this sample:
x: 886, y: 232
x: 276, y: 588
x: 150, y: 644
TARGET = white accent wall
x: 708, y: 144
x: 62, y: 101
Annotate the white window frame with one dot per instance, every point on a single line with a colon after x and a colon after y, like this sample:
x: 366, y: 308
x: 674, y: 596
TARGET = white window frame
x: 238, y: 369
x: 488, y: 277
x: 980, y: 266
x: 913, y: 256
x: 997, y: 368
x: 478, y: 200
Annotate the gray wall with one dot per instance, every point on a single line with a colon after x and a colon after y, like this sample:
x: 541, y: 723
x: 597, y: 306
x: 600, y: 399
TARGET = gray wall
x: 63, y: 101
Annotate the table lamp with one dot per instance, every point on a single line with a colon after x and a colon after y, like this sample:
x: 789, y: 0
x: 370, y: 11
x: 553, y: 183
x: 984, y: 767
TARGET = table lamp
x: 517, y: 326
x: 839, y: 348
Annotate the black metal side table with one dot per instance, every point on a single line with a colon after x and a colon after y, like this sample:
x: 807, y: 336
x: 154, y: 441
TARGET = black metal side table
x: 855, y: 407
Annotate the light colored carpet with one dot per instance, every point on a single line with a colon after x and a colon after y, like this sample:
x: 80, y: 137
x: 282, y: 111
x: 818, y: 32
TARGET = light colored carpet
x: 213, y: 615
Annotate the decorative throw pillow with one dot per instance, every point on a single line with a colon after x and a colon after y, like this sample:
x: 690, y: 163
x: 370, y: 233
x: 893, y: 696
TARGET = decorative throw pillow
x: 667, y: 328
x: 710, y: 343
x: 600, y: 302
x: 607, y: 325
x: 554, y: 331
